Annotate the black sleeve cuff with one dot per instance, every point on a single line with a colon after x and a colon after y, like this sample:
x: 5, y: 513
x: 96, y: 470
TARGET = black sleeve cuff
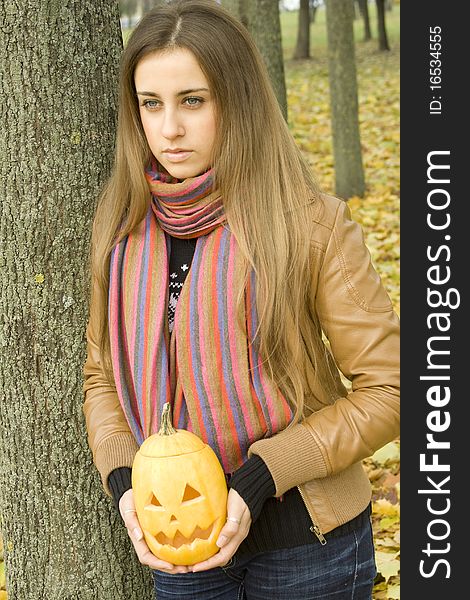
x: 119, y: 481
x: 254, y: 482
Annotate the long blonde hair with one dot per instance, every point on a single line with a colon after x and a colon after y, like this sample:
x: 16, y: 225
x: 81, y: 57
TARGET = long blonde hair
x: 264, y: 180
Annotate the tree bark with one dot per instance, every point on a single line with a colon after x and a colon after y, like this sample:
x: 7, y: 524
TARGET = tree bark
x: 261, y: 18
x: 364, y: 8
x: 302, y: 49
x: 381, y: 28
x: 63, y: 538
x: 356, y: 12
x: 238, y: 8
x: 349, y: 173
x: 313, y: 10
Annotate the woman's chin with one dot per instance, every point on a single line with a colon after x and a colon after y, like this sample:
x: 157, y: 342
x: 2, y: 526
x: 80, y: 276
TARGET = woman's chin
x: 182, y: 171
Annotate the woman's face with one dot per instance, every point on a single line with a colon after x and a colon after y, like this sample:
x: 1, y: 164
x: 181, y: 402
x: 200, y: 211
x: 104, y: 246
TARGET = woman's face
x: 177, y: 111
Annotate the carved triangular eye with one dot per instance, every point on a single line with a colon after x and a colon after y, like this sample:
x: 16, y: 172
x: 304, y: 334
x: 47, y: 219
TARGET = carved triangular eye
x: 190, y: 493
x: 154, y: 501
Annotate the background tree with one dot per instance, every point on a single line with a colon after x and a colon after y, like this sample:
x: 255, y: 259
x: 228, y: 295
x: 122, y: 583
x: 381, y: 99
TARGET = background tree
x: 356, y: 11
x: 261, y: 18
x: 302, y: 49
x: 349, y: 172
x: 306, y: 16
x: 147, y: 5
x: 314, y: 4
x: 381, y: 27
x: 364, y: 9
x: 128, y: 9
x: 63, y: 538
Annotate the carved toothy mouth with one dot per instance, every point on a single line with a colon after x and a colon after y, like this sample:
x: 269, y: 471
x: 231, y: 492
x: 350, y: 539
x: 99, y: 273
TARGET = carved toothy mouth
x: 181, y: 540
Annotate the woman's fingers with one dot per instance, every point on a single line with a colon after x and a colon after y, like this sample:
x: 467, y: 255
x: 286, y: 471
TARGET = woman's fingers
x: 133, y: 526
x: 150, y: 560
x: 229, y: 530
x: 145, y: 556
x: 238, y: 519
x: 221, y: 558
x: 231, y: 535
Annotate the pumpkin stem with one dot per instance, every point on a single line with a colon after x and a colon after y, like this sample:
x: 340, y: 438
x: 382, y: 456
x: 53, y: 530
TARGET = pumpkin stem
x: 166, y: 426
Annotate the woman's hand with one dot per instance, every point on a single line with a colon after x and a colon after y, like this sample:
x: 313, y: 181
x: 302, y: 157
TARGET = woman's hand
x: 232, y: 534
x: 129, y: 516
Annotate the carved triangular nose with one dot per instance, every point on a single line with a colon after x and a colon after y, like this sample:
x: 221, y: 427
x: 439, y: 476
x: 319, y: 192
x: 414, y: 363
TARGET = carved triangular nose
x: 173, y: 518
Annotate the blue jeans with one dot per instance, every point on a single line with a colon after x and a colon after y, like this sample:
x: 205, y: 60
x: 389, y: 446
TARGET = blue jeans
x: 342, y: 569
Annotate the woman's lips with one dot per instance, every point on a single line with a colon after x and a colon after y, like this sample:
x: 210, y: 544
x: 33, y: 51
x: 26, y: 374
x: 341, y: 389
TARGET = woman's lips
x: 178, y: 156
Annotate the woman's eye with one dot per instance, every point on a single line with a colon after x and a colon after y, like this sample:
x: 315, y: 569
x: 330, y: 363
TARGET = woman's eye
x: 192, y: 101
x: 150, y: 104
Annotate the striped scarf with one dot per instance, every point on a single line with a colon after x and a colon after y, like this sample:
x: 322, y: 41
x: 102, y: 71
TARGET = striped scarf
x: 206, y: 368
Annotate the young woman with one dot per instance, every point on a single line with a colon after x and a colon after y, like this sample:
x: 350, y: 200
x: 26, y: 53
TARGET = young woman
x: 219, y: 272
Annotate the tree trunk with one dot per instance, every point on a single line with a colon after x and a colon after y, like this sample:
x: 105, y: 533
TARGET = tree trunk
x: 349, y: 173
x: 261, y: 18
x: 129, y: 8
x: 302, y: 49
x: 364, y: 8
x: 313, y: 10
x: 381, y: 28
x: 63, y: 538
x: 356, y: 13
x: 147, y: 5
x: 237, y: 8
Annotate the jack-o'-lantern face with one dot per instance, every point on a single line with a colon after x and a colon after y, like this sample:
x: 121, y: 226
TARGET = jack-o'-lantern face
x: 181, y: 503
x: 174, y: 518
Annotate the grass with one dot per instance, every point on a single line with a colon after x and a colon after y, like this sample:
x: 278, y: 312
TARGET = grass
x: 318, y: 35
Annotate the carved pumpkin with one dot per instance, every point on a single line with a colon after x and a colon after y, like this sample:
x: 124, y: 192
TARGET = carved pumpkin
x: 180, y: 494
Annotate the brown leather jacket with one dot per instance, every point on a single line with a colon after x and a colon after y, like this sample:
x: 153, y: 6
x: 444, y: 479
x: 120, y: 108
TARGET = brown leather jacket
x: 323, y: 454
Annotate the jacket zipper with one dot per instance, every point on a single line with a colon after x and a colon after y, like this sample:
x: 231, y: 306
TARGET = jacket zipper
x: 314, y: 528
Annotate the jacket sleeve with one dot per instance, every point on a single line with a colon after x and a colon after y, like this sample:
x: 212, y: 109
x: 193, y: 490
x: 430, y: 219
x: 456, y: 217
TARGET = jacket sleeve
x: 357, y: 317
x: 109, y: 437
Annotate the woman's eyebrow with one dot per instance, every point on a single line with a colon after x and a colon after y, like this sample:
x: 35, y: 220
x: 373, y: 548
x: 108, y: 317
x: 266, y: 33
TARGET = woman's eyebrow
x: 182, y: 93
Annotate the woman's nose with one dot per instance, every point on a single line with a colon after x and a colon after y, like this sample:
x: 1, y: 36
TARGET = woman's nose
x: 172, y: 126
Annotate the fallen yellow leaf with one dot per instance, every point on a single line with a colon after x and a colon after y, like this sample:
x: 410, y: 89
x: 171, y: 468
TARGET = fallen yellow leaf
x: 385, y: 508
x: 387, y: 563
x: 393, y: 592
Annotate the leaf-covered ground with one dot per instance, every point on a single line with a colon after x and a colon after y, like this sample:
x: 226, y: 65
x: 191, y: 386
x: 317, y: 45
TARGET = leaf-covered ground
x: 309, y: 120
x: 379, y: 214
